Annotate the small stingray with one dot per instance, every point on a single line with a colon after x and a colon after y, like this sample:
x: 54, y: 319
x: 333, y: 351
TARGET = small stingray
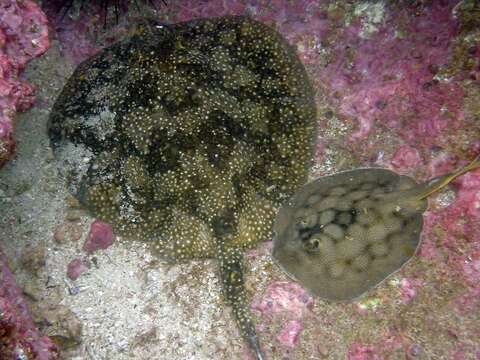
x: 343, y: 234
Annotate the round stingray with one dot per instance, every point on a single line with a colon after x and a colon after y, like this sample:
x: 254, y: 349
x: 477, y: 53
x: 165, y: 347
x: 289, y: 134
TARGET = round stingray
x: 343, y: 234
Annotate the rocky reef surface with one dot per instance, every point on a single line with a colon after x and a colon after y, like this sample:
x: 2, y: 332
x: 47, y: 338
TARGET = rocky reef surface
x: 23, y: 36
x: 397, y: 86
x: 19, y: 337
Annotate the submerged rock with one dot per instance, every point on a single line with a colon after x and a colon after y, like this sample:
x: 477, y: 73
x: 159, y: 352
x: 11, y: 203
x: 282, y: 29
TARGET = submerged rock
x: 189, y: 137
x: 19, y: 337
x: 23, y: 37
x: 99, y: 237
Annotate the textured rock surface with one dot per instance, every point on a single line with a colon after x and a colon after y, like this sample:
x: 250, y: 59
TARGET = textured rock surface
x: 360, y: 56
x: 100, y: 237
x: 23, y: 36
x: 19, y: 337
x: 75, y: 268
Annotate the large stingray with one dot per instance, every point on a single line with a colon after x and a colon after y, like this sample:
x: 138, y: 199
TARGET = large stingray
x: 189, y: 137
x: 343, y: 234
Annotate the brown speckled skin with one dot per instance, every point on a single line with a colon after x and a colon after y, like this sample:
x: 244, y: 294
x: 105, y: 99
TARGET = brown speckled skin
x: 294, y: 252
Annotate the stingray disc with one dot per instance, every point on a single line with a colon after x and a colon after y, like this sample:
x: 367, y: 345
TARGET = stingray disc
x: 339, y: 235
x: 184, y: 134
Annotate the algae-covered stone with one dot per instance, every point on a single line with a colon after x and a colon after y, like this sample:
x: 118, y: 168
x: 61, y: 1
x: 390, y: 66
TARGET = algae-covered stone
x: 189, y: 137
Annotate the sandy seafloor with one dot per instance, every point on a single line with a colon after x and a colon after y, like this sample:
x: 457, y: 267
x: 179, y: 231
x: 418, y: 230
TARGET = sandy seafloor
x: 133, y: 306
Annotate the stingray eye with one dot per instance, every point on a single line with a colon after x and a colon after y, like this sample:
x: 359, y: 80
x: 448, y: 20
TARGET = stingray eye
x: 312, y: 245
x: 302, y: 224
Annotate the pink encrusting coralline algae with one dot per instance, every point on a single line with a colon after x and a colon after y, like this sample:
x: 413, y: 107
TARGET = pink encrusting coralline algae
x: 457, y: 230
x: 74, y: 32
x: 386, y: 78
x: 287, y: 300
x: 290, y: 333
x: 100, y: 237
x: 23, y: 36
x: 19, y: 338
x: 284, y: 297
x: 408, y: 289
x: 363, y: 352
x: 406, y: 158
x: 75, y: 268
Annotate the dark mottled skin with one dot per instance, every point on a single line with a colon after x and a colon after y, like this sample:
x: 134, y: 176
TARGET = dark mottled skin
x: 189, y: 137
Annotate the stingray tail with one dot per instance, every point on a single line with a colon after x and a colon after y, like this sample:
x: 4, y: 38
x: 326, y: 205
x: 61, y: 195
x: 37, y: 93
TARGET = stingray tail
x: 441, y: 181
x: 231, y: 267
